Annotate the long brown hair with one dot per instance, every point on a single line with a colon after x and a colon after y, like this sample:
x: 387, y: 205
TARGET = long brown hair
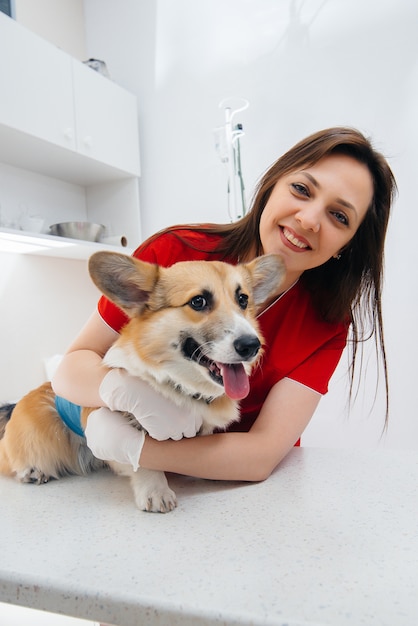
x: 350, y: 287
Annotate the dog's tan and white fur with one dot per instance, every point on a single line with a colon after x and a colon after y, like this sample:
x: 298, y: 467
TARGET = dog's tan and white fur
x: 191, y: 334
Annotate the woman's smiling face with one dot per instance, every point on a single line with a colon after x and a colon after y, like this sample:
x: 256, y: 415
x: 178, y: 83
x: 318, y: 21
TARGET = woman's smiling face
x: 313, y: 213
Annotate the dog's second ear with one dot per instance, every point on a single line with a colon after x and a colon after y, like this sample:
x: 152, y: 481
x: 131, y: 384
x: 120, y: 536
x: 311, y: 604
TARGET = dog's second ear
x: 267, y: 272
x: 124, y: 280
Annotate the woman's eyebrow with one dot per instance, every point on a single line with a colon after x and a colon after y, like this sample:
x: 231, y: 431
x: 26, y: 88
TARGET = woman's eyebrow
x: 311, y: 178
x: 315, y: 183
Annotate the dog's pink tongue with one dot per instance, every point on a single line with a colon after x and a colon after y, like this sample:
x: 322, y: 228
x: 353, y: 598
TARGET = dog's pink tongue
x: 236, y: 383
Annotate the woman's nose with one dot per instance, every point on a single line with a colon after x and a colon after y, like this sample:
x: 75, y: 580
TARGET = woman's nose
x: 309, y: 218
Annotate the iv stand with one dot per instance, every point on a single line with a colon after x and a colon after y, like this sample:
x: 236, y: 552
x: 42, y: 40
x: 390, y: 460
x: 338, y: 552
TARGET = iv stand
x: 228, y: 145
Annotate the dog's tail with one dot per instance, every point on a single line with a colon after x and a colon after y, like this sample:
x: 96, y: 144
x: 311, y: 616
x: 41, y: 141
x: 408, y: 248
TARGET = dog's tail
x: 6, y: 411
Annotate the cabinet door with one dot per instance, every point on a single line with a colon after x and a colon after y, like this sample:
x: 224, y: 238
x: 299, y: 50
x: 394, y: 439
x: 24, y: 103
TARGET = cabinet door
x: 106, y: 120
x: 36, y: 86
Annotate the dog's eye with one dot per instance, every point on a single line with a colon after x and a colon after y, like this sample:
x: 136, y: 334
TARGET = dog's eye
x: 242, y: 300
x: 198, y: 303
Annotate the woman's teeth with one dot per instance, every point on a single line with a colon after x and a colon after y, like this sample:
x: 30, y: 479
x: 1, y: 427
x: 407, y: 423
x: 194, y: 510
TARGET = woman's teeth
x: 293, y: 239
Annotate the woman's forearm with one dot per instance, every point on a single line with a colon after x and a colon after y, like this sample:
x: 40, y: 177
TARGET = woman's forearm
x: 81, y: 371
x: 224, y: 456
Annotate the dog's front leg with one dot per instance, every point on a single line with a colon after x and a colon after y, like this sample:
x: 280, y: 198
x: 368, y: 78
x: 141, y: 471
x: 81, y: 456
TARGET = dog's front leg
x: 152, y: 492
x: 150, y: 488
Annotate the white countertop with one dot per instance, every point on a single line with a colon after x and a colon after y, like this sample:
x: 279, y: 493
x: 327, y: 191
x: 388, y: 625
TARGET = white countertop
x: 330, y: 539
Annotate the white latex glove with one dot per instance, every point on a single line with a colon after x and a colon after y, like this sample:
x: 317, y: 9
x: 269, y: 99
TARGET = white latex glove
x: 111, y: 437
x: 161, y: 418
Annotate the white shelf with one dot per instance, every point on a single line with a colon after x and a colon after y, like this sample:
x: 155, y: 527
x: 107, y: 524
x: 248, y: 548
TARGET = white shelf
x: 21, y: 242
x: 37, y: 155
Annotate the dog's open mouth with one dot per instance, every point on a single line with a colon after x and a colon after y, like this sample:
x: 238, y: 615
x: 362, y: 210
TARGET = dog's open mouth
x: 232, y: 376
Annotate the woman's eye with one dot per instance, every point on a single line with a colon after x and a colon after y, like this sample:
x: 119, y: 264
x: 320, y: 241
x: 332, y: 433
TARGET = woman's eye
x: 341, y: 217
x: 198, y: 303
x: 300, y: 189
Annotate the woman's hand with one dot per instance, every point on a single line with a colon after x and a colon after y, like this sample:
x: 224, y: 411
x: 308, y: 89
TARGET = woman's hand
x: 111, y: 437
x: 160, y: 417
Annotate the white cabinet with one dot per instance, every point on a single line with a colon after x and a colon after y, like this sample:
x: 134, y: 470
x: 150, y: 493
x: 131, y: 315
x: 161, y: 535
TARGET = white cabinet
x: 105, y: 120
x: 62, y: 120
x: 36, y: 86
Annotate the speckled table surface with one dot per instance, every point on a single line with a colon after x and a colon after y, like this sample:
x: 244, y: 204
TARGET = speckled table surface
x: 331, y: 539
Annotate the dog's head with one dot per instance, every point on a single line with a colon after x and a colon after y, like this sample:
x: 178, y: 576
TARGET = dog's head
x: 192, y: 324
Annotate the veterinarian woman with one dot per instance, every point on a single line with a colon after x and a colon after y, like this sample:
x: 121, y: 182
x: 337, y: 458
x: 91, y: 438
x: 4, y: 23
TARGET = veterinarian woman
x: 324, y: 207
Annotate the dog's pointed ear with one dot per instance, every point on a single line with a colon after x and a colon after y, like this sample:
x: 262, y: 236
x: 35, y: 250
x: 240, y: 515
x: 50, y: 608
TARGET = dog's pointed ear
x: 267, y: 273
x: 126, y: 281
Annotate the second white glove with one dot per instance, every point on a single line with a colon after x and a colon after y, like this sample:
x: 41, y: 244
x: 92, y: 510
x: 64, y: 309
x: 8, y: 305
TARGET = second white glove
x: 160, y: 417
x: 111, y: 437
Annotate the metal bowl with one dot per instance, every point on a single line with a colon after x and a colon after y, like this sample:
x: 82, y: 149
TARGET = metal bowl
x: 78, y: 230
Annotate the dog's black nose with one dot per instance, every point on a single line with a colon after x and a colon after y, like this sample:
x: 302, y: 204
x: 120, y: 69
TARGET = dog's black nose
x: 247, y: 346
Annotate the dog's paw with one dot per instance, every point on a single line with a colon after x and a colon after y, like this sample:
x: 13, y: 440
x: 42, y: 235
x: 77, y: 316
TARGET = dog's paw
x: 157, y: 502
x: 152, y: 492
x: 32, y: 475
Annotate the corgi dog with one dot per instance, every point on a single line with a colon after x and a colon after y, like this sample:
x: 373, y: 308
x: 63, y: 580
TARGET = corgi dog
x: 192, y: 335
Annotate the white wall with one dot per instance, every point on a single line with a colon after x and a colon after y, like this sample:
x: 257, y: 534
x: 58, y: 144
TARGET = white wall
x: 43, y: 304
x: 61, y: 23
x: 303, y: 66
